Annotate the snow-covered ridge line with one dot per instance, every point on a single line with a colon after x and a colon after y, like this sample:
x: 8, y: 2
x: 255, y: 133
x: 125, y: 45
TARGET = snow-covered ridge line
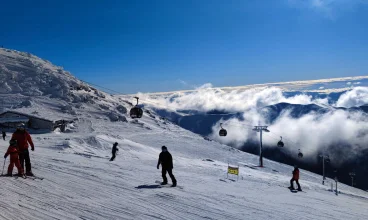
x: 28, y: 75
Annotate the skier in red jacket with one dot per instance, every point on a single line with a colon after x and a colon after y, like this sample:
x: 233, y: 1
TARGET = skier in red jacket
x: 23, y: 138
x: 295, y: 178
x: 14, y: 160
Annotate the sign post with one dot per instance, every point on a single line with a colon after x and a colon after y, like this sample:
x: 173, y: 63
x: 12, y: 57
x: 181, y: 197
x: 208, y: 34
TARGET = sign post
x: 337, y: 192
x: 233, y: 171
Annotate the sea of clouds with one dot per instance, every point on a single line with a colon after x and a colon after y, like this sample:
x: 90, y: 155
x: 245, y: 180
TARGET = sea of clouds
x: 312, y: 133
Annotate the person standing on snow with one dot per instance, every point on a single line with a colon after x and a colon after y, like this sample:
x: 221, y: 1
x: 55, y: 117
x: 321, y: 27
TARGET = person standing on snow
x: 114, y: 150
x: 165, y: 159
x: 4, y: 135
x: 23, y: 138
x: 295, y: 178
x: 14, y: 159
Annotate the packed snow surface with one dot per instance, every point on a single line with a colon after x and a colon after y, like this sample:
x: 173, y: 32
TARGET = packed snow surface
x: 81, y: 183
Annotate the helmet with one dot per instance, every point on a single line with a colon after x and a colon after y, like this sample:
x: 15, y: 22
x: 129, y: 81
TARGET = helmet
x: 164, y: 148
x: 116, y: 143
x: 13, y: 142
x: 21, y: 125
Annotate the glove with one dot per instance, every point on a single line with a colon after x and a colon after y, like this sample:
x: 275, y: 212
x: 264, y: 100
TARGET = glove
x: 32, y: 148
x: 5, y: 156
x: 158, y: 167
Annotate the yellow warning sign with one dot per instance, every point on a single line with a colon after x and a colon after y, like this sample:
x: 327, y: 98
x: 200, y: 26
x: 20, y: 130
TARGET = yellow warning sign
x: 233, y: 170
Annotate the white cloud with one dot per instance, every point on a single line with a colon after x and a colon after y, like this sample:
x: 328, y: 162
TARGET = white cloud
x: 321, y: 87
x: 357, y: 83
x: 205, y: 86
x: 310, y: 132
x: 206, y: 98
x: 182, y: 82
x: 355, y: 97
x: 348, y: 83
x: 314, y: 132
x: 324, y: 101
x: 328, y: 8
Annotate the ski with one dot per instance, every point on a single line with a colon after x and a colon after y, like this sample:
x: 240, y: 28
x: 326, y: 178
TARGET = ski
x: 4, y: 175
x: 294, y: 190
x: 35, y: 177
x: 24, y: 177
x: 16, y: 176
x: 167, y: 185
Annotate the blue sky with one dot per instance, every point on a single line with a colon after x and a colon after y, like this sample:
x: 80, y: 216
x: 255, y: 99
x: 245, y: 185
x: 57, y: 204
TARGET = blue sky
x: 150, y: 46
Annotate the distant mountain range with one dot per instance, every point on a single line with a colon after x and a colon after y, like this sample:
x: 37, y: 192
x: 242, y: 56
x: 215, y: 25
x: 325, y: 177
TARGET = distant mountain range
x: 202, y: 122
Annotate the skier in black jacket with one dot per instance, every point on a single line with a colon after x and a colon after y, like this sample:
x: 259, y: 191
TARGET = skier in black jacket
x: 114, y: 150
x: 165, y: 159
x: 4, y: 135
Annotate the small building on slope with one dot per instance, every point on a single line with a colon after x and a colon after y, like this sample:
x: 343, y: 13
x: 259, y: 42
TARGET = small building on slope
x: 10, y: 119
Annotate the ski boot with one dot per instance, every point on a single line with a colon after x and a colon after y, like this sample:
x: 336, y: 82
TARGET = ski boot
x: 164, y: 183
x: 29, y: 173
x: 173, y: 185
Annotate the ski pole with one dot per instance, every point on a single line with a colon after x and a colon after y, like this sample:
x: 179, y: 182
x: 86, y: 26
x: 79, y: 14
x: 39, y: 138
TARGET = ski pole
x: 2, y: 172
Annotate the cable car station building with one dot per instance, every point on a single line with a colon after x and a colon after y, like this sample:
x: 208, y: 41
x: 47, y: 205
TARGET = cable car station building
x: 10, y: 119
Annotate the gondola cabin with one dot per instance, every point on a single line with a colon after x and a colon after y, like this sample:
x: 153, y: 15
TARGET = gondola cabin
x: 136, y: 112
x: 280, y: 143
x: 300, y: 155
x: 222, y: 131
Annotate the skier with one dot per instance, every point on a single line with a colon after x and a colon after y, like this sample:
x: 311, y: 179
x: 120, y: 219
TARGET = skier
x: 4, y: 135
x: 165, y: 159
x: 23, y: 138
x: 114, y: 150
x: 14, y: 160
x: 295, y: 178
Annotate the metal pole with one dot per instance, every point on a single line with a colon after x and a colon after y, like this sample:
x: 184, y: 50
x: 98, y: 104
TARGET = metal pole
x: 2, y: 172
x: 331, y: 187
x: 238, y: 172
x: 323, y: 162
x: 336, y: 188
x: 352, y: 174
x: 260, y: 151
x: 260, y: 129
x: 227, y: 172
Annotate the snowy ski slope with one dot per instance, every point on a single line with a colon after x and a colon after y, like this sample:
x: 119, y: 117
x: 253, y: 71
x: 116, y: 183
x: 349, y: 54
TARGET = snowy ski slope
x: 80, y: 182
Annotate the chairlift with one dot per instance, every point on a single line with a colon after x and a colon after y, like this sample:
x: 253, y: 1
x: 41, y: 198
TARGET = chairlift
x: 136, y: 112
x: 280, y: 143
x: 300, y: 154
x: 222, y: 131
